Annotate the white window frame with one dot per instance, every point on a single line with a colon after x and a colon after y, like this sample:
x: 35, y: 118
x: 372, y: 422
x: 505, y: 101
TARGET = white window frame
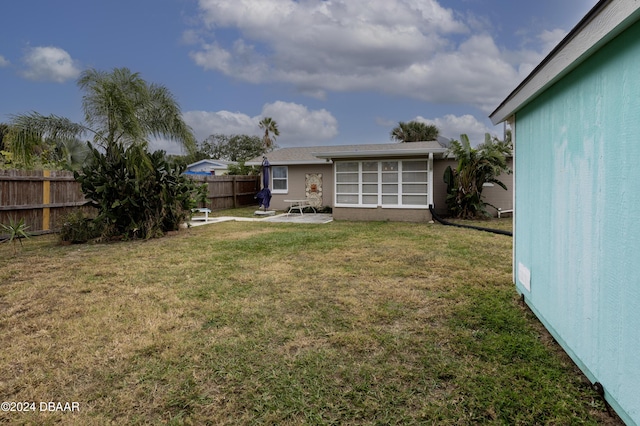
x: 405, y: 183
x: 286, y: 180
x: 361, y: 182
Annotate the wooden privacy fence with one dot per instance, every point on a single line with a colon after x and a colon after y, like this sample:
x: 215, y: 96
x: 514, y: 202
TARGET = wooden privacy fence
x: 227, y: 192
x: 42, y: 198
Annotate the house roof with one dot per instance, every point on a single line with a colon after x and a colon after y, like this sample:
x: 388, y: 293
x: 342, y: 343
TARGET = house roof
x: 606, y: 20
x: 322, y: 154
x: 222, y: 164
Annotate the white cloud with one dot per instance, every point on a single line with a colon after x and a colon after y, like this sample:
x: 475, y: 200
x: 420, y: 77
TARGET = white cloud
x: 414, y: 48
x: 452, y: 126
x: 298, y: 125
x: 205, y: 123
x: 49, y: 64
x: 4, y: 62
x: 550, y: 39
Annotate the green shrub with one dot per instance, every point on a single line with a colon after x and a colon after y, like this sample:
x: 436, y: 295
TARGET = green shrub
x: 78, y: 227
x: 138, y: 194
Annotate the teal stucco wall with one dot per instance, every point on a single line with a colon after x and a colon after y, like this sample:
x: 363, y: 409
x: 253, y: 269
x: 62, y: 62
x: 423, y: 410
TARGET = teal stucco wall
x: 577, y: 232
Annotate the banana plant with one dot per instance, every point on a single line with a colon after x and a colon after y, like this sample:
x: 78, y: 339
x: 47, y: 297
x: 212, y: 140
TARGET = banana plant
x: 476, y: 166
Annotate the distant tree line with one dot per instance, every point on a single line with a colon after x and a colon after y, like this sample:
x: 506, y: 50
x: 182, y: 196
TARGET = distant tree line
x: 237, y: 148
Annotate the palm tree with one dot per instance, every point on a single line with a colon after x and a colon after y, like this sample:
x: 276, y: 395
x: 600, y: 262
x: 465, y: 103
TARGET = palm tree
x: 120, y: 108
x: 414, y: 131
x: 269, y: 125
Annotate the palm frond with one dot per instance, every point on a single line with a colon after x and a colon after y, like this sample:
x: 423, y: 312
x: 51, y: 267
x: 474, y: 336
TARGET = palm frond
x: 270, y: 127
x: 32, y: 131
x: 127, y: 110
x: 414, y: 131
x: 162, y: 118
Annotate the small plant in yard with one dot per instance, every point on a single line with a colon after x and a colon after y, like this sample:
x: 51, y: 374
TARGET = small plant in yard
x: 77, y: 227
x: 16, y: 231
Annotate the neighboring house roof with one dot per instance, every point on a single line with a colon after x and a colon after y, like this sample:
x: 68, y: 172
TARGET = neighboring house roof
x: 322, y: 154
x: 606, y: 20
x: 208, y: 167
x: 218, y: 164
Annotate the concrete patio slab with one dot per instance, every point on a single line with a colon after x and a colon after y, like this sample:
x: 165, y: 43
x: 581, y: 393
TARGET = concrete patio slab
x: 306, y: 218
x: 318, y: 218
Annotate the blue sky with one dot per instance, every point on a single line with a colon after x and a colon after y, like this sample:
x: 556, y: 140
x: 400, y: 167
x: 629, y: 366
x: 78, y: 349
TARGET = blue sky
x: 330, y: 72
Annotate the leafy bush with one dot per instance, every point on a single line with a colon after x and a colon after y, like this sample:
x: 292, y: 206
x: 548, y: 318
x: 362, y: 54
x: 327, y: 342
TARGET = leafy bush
x: 242, y: 169
x: 138, y: 194
x: 78, y: 227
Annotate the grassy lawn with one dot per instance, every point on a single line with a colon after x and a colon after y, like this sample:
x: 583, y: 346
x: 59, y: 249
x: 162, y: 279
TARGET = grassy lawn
x: 275, y: 323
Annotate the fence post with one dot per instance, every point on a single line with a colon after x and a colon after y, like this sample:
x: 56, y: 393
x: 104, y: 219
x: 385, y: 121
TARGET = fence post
x: 235, y: 192
x: 46, y: 199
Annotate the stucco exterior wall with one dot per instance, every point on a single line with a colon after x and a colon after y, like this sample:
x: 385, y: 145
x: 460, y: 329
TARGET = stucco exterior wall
x: 296, y: 191
x: 380, y: 214
x: 439, y: 187
x: 497, y: 196
x: 577, y: 225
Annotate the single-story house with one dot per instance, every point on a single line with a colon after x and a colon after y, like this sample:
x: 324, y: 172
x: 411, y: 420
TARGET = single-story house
x: 209, y: 167
x: 391, y: 181
x: 576, y: 125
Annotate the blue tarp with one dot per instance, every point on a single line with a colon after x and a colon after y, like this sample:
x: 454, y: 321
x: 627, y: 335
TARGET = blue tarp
x: 197, y: 173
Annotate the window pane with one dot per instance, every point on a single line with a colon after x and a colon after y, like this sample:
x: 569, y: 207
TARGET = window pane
x: 389, y: 166
x: 389, y: 189
x: 279, y: 172
x: 390, y: 177
x: 347, y: 177
x: 346, y: 166
x: 347, y: 188
x: 370, y: 199
x: 413, y: 166
x: 370, y: 166
x: 370, y: 177
x: 414, y: 188
x: 390, y: 199
x: 347, y: 199
x: 370, y: 189
x: 415, y: 199
x: 280, y: 184
x: 414, y: 177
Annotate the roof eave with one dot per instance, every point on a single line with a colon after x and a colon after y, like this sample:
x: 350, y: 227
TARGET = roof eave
x: 605, y: 20
x: 286, y: 162
x: 380, y: 153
